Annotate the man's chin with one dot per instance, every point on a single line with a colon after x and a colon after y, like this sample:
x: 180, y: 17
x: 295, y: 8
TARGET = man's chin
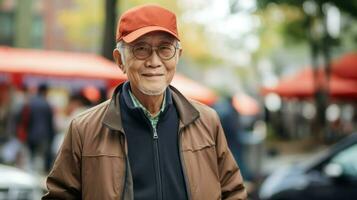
x: 151, y: 92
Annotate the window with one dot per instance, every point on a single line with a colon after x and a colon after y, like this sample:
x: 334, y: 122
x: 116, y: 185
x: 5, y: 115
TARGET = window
x: 347, y: 159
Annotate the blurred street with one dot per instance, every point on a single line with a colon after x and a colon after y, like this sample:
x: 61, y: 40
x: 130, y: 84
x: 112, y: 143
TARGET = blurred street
x: 289, y: 153
x: 281, y: 75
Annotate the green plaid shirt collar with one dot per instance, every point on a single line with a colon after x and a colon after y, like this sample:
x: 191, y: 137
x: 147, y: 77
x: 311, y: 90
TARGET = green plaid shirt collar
x: 153, y: 119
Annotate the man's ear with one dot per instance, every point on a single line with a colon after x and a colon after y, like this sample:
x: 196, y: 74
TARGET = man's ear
x: 117, y: 59
x: 180, y: 52
x: 178, y: 55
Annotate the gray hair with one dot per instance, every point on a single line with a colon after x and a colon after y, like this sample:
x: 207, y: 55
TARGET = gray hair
x: 120, y: 47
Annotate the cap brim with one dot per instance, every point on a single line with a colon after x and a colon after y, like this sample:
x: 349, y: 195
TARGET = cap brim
x: 142, y: 31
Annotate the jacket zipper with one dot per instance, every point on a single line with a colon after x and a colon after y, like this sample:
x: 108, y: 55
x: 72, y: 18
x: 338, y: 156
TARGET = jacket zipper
x: 183, y: 164
x: 157, y: 164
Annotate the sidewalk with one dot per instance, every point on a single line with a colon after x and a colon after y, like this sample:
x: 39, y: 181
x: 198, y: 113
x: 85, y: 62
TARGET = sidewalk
x: 280, y: 153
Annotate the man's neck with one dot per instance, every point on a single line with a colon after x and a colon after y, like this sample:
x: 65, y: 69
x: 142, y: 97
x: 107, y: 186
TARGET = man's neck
x: 151, y: 102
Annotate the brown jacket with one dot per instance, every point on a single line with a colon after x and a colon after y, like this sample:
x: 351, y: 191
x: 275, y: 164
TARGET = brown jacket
x: 92, y: 161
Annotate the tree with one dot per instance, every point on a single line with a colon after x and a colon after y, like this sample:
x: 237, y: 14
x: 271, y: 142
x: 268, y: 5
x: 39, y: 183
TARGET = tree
x: 109, y: 28
x: 348, y: 7
x: 23, y: 21
x: 82, y: 24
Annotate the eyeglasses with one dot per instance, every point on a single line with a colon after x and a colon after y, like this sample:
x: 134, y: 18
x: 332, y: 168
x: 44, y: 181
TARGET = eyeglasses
x: 143, y: 50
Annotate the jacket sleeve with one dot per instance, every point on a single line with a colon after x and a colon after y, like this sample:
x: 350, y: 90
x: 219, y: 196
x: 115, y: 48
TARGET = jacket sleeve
x: 64, y: 180
x: 232, y: 186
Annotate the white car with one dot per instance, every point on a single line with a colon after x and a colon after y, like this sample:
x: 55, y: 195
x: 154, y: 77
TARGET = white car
x: 16, y: 184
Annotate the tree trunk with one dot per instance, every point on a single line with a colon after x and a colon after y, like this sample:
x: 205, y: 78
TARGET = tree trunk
x: 109, y: 29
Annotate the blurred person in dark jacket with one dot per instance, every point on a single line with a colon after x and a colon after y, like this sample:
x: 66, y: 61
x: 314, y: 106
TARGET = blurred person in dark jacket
x: 230, y: 120
x: 148, y: 141
x: 40, y: 128
x: 5, y: 113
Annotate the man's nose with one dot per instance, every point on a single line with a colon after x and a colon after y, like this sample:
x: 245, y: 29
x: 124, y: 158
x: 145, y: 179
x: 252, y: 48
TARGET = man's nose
x: 154, y: 60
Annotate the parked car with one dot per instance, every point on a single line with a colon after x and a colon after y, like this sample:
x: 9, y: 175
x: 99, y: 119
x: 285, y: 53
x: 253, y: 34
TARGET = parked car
x: 16, y: 184
x: 330, y: 175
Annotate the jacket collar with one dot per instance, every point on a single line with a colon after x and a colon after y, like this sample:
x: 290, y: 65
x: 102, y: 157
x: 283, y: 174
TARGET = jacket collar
x: 112, y: 116
x: 187, y: 113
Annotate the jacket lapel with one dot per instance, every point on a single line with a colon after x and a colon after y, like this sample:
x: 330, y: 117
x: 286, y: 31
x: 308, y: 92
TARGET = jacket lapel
x: 187, y: 112
x: 112, y: 118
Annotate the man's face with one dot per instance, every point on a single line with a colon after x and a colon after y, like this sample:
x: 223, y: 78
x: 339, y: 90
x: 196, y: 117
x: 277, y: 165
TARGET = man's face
x: 153, y: 74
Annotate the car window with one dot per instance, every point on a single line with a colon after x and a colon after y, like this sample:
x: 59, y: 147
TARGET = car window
x: 347, y: 159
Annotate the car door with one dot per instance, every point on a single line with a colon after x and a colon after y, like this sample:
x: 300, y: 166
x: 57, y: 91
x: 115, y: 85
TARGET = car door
x: 337, y: 179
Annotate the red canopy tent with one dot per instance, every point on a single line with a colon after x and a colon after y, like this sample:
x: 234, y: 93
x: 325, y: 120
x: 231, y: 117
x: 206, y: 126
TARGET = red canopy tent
x: 302, y: 85
x: 19, y: 63
x: 346, y: 66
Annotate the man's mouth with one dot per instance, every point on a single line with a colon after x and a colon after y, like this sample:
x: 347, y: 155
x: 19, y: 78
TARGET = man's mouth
x: 152, y: 74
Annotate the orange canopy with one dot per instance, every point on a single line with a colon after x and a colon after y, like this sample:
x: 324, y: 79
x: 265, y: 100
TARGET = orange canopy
x: 194, y: 90
x: 58, y: 64
x: 245, y: 104
x: 302, y: 85
x: 20, y: 62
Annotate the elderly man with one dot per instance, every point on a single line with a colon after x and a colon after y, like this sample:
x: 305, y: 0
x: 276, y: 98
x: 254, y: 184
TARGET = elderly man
x: 148, y: 141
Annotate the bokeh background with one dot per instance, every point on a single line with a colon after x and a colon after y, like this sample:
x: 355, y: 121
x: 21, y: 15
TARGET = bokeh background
x: 282, y: 75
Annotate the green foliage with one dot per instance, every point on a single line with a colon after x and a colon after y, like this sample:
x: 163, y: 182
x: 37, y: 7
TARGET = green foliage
x: 23, y: 23
x: 83, y: 23
x: 294, y: 24
x: 195, y: 44
x: 348, y: 6
x: 172, y: 5
x: 262, y: 4
x: 277, y: 27
x: 286, y: 21
x: 294, y: 31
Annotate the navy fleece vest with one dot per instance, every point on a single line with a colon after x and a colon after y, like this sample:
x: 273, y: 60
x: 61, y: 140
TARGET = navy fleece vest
x: 155, y: 165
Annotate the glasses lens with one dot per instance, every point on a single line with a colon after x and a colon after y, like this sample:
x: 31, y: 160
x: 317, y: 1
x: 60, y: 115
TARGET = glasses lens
x: 142, y: 50
x: 166, y: 51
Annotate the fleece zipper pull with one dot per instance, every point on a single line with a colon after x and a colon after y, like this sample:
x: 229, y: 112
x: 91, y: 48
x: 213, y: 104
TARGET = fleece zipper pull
x: 155, y: 136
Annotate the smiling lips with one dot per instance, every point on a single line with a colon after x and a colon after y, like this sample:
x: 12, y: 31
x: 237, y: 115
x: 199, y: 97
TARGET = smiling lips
x: 152, y: 74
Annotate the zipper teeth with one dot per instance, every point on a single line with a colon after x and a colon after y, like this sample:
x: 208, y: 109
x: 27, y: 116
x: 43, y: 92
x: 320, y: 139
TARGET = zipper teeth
x: 183, y: 165
x: 157, y: 159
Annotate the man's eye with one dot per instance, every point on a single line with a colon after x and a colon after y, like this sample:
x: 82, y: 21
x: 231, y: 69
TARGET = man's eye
x: 140, y: 48
x: 164, y: 47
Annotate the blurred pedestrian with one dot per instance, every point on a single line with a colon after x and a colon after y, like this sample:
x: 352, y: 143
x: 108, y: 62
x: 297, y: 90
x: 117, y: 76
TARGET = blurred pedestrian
x: 77, y: 104
x: 5, y: 113
x: 230, y: 119
x: 21, y: 108
x: 9, y: 145
x: 148, y: 141
x: 40, y: 127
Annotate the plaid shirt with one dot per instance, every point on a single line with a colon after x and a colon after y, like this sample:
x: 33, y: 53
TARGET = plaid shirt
x: 153, y: 119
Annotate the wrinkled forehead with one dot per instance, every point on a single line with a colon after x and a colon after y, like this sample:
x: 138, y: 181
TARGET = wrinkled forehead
x: 154, y: 38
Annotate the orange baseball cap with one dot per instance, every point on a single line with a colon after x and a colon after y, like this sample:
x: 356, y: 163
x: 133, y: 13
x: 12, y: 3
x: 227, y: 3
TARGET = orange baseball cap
x: 140, y: 20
